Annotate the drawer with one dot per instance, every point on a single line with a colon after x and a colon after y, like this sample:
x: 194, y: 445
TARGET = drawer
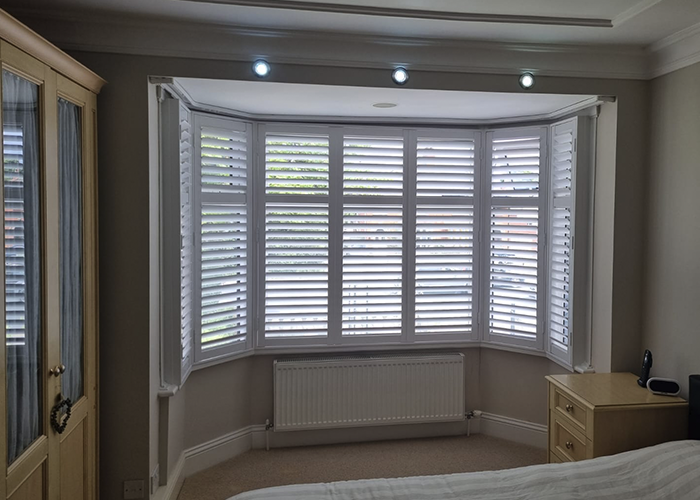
x: 565, y: 441
x: 555, y: 459
x: 566, y: 406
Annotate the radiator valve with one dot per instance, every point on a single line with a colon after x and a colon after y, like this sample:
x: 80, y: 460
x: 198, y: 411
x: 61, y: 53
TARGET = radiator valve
x: 473, y: 414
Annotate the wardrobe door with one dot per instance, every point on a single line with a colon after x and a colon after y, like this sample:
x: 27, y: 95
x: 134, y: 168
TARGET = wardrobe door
x: 77, y: 294
x: 29, y: 386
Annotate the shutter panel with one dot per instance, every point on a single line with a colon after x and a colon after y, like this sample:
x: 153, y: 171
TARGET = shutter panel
x: 515, y: 167
x: 445, y: 167
x: 563, y: 160
x: 513, y: 280
x: 373, y: 166
x: 296, y: 270
x: 223, y: 160
x: 222, y: 236
x: 372, y: 270
x: 560, y: 267
x: 186, y: 241
x: 444, y: 249
x: 296, y: 164
x: 223, y: 275
x: 514, y: 246
x: 15, y: 309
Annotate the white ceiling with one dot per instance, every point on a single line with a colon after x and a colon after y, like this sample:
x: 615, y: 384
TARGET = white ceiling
x: 270, y: 98
x: 635, y: 22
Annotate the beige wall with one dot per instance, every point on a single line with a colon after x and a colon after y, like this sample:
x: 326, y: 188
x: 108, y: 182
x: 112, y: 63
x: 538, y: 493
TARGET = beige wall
x: 216, y: 397
x: 672, y: 271
x: 513, y: 384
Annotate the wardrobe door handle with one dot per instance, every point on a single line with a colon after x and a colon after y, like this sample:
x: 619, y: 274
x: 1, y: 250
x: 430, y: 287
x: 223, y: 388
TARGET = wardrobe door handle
x: 57, y: 370
x: 569, y: 445
x: 569, y: 408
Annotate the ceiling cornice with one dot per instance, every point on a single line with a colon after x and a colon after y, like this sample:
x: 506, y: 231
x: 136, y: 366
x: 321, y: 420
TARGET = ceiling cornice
x: 675, y: 52
x: 144, y: 36
x: 371, y: 10
x: 173, y: 38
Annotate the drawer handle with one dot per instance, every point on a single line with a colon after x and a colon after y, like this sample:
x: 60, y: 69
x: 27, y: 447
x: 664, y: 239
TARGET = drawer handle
x: 569, y: 445
x: 569, y: 408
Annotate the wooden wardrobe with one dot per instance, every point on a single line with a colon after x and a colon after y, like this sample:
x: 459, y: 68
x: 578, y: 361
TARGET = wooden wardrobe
x: 48, y: 422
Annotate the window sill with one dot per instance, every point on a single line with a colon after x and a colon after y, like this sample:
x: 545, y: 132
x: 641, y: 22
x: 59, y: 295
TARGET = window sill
x: 321, y: 350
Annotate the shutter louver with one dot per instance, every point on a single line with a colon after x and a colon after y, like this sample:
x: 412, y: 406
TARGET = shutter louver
x: 296, y: 270
x: 372, y: 270
x: 296, y: 165
x: 186, y: 241
x: 223, y: 160
x: 445, y: 167
x: 444, y: 249
x: 15, y: 280
x: 224, y: 275
x: 513, y: 271
x: 559, y: 277
x: 373, y: 166
x: 515, y: 167
x: 560, y: 246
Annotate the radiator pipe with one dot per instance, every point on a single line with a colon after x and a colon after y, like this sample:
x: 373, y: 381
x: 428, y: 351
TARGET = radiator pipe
x: 268, y: 426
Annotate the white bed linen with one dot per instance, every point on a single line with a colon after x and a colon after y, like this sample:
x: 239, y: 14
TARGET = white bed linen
x: 670, y: 471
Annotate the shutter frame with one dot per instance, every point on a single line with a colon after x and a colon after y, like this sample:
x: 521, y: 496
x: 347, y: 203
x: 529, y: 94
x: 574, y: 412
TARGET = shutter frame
x: 572, y: 131
x: 501, y: 268
x: 232, y: 203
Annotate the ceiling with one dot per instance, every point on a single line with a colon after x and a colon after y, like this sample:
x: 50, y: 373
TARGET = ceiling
x: 275, y: 99
x: 617, y: 22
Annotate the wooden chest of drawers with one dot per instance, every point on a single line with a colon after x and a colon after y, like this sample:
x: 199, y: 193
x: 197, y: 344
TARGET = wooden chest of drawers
x: 600, y: 414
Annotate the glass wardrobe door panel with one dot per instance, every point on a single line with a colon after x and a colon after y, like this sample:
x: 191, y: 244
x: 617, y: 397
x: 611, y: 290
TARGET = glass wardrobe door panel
x: 23, y: 321
x: 71, y: 247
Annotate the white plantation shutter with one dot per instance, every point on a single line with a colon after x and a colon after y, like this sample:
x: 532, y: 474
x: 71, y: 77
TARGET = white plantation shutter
x: 444, y: 249
x: 224, y: 159
x: 445, y: 167
x: 186, y: 240
x: 561, y: 251
x: 514, y: 241
x: 296, y: 164
x: 296, y: 270
x: 514, y: 254
x: 444, y: 235
x: 515, y: 166
x: 296, y: 226
x: 372, y: 270
x: 372, y: 235
x: 373, y: 166
x: 224, y: 271
x: 222, y: 246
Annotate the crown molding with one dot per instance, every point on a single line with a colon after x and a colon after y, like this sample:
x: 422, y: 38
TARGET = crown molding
x: 675, y: 52
x: 439, y: 15
x: 159, y: 37
x: 634, y: 11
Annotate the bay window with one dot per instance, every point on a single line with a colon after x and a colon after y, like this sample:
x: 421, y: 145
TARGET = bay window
x: 300, y: 236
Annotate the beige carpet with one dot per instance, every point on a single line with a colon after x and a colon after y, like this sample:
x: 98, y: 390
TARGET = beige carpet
x: 320, y: 464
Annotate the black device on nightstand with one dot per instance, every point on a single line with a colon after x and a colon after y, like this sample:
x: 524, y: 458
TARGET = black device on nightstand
x: 646, y: 369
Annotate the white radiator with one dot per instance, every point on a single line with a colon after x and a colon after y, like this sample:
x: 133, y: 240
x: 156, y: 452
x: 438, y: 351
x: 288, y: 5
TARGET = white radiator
x: 320, y: 393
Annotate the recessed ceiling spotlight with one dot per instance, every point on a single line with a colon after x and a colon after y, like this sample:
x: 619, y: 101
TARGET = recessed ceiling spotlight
x: 261, y: 68
x: 384, y: 105
x: 527, y: 80
x: 400, y: 76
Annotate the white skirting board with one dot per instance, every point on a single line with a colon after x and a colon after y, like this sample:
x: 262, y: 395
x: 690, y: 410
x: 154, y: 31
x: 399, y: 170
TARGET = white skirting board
x: 513, y: 429
x: 231, y: 445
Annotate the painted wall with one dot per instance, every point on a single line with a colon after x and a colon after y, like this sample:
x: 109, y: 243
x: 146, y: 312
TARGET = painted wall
x: 216, y: 396
x: 672, y: 270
